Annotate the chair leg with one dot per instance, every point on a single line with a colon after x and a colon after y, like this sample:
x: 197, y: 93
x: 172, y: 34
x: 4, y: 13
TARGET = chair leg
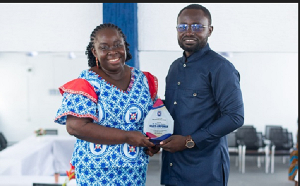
x: 258, y: 161
x: 267, y: 159
x: 240, y: 157
x: 243, y: 158
x: 272, y: 158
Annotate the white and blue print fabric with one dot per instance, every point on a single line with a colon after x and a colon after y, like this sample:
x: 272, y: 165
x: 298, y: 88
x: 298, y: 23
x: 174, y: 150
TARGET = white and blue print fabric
x: 113, y: 108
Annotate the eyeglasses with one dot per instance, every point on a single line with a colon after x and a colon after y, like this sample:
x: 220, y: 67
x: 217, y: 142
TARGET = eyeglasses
x: 194, y: 27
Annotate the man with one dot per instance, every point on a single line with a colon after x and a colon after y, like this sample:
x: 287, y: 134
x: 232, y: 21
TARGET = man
x: 203, y: 96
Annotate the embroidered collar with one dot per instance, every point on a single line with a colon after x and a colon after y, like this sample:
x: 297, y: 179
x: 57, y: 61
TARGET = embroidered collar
x: 125, y: 91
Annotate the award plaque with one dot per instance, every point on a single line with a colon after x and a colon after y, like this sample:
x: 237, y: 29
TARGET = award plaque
x: 158, y: 124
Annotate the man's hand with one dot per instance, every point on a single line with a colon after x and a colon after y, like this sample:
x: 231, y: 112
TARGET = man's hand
x: 174, y: 143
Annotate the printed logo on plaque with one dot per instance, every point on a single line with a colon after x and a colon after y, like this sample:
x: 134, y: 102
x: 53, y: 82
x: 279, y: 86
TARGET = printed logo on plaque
x: 158, y: 124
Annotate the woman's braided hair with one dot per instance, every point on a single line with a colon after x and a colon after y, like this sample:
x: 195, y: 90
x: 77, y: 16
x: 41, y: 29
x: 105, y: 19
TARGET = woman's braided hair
x: 89, y: 53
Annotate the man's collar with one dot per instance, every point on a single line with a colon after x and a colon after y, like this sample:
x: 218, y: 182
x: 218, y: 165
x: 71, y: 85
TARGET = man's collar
x: 197, y: 54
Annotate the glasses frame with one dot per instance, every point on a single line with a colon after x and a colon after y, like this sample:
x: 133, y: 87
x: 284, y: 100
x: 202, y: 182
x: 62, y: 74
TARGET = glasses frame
x: 191, y: 27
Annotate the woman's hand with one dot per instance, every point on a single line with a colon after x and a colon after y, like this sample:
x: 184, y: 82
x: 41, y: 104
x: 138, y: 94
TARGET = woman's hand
x: 136, y: 138
x: 152, y: 150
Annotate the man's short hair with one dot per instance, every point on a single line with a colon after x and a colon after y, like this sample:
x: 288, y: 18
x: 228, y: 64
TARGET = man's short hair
x: 199, y: 7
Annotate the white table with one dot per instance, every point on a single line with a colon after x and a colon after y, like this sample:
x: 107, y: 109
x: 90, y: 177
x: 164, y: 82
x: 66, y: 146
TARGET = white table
x: 37, y: 156
x: 29, y: 180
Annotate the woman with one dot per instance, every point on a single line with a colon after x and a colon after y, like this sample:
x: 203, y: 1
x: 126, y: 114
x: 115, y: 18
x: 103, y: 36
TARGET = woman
x: 293, y: 169
x: 104, y: 109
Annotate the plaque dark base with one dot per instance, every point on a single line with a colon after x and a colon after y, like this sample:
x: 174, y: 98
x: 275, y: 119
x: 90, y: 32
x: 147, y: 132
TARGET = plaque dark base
x: 159, y: 139
x: 156, y: 142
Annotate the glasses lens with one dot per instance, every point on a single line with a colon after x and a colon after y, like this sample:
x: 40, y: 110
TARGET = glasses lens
x: 197, y: 27
x: 182, y: 27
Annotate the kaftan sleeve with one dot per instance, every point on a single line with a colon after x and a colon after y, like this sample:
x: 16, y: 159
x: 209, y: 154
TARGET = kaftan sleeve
x: 153, y: 85
x: 227, y: 93
x: 79, y: 99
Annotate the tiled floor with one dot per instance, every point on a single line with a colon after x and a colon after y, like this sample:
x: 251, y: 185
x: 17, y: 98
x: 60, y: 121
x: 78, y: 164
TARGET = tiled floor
x: 253, y: 176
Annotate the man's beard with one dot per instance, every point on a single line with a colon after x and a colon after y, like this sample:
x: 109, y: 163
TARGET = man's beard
x: 194, y: 48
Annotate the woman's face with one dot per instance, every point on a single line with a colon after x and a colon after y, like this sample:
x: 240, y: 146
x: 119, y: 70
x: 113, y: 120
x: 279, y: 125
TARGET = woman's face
x: 109, y: 48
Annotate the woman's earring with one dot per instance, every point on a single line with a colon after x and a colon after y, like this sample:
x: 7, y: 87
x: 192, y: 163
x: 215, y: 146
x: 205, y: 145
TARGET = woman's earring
x: 97, y: 62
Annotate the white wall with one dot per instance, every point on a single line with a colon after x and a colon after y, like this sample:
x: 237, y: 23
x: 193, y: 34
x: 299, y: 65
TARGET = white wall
x: 27, y: 100
x: 47, y: 26
x: 238, y: 27
x: 262, y: 40
x: 269, y: 83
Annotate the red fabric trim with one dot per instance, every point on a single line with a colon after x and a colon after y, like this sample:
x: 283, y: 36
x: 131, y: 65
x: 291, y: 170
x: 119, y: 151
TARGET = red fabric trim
x: 71, y: 172
x: 153, y: 84
x: 79, y: 86
x: 77, y: 115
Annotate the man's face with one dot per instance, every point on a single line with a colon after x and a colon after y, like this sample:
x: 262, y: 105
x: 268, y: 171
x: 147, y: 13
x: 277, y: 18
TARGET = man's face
x: 191, y: 41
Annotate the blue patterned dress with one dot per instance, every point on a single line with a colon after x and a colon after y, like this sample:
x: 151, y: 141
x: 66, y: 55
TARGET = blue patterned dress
x: 91, y: 96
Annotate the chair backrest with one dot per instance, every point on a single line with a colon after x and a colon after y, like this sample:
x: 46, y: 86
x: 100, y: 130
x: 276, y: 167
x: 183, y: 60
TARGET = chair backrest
x: 248, y: 126
x: 247, y: 135
x: 51, y: 132
x: 3, y: 142
x: 267, y: 130
x: 279, y: 137
x: 231, y: 139
x: 291, y: 140
x: 290, y: 143
x: 286, y: 135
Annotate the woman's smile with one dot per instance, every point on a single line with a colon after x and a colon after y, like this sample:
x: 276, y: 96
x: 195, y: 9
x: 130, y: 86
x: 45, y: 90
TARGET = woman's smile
x: 114, y: 61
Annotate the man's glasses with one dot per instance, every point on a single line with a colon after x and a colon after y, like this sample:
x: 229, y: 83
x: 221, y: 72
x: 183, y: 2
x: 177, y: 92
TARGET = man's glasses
x: 194, y: 27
